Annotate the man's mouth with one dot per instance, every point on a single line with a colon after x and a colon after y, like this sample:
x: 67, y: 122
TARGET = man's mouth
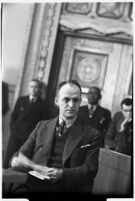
x: 70, y: 110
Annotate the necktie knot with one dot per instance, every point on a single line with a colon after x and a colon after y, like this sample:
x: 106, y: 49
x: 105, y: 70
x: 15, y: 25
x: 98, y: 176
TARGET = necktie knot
x: 60, y: 128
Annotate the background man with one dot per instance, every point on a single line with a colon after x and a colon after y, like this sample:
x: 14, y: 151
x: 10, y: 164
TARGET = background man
x: 95, y: 115
x: 28, y: 111
x: 119, y: 136
x: 62, y: 149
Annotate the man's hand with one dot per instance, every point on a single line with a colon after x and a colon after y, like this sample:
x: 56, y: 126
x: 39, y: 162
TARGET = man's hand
x: 15, y: 162
x: 21, y: 160
x: 123, y: 124
x: 40, y: 168
x: 55, y: 174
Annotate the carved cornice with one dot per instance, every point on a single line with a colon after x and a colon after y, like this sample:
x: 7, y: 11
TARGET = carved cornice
x: 100, y: 25
x: 104, y: 18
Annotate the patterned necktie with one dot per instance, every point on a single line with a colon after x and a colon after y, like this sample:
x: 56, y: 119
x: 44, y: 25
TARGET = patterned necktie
x: 60, y: 128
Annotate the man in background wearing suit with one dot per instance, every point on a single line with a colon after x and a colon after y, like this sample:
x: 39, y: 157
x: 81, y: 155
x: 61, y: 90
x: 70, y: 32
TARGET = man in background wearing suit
x: 28, y: 111
x: 63, y: 149
x: 95, y: 115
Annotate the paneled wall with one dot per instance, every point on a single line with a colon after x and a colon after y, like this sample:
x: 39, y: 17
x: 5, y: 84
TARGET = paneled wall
x: 98, y: 63
x: 98, y: 49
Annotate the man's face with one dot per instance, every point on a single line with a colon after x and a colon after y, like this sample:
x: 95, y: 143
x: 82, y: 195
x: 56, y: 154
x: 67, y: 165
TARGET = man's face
x: 68, y: 100
x: 93, y: 96
x: 34, y: 89
x: 127, y: 111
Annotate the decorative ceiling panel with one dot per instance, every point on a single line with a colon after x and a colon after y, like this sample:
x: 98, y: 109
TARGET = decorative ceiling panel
x: 78, y: 8
x: 110, y: 10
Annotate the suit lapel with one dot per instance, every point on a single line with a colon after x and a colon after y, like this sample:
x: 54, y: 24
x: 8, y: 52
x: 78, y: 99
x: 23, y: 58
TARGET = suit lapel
x: 75, y: 136
x: 49, y: 136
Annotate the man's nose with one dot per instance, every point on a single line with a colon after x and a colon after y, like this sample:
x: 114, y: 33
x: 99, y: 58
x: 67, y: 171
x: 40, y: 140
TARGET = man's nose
x: 71, y: 103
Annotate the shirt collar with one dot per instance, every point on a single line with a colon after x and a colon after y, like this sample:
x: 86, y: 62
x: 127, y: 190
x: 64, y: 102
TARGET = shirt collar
x: 34, y: 98
x: 69, y: 122
x: 93, y: 106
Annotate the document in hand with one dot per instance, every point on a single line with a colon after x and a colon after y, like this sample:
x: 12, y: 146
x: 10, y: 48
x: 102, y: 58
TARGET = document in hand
x: 39, y: 175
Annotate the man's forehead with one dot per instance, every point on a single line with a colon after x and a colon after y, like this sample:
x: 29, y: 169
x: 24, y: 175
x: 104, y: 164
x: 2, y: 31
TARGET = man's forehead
x: 69, y: 87
x: 69, y: 91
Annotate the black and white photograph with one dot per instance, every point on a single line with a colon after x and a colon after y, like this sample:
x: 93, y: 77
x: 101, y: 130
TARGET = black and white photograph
x: 67, y: 100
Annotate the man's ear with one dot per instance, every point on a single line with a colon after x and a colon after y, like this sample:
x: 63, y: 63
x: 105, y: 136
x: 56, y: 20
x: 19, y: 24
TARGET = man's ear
x: 56, y: 100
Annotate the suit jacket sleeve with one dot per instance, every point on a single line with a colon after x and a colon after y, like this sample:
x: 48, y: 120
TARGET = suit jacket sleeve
x: 84, y: 174
x: 28, y: 147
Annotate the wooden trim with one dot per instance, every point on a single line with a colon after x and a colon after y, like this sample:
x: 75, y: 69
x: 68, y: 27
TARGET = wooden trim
x: 97, y: 37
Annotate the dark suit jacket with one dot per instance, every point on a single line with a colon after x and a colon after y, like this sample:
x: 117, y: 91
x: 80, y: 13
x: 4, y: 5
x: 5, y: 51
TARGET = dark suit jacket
x: 5, y: 104
x: 116, y: 139
x: 100, y: 119
x: 80, y: 162
x: 26, y: 115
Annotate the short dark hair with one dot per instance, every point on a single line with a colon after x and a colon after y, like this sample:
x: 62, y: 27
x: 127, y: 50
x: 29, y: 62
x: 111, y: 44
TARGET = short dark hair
x: 98, y: 90
x: 72, y: 82
x: 127, y: 101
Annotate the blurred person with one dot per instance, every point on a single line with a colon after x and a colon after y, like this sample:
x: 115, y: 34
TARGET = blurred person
x: 93, y: 114
x: 28, y: 111
x: 120, y: 133
x: 62, y: 149
x: 5, y: 122
x: 5, y: 104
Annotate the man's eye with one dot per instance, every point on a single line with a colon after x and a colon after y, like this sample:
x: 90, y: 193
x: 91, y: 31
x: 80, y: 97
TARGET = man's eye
x: 75, y: 100
x: 66, y: 100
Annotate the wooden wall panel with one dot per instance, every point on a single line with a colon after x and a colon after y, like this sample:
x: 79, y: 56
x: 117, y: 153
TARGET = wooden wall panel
x: 114, y: 175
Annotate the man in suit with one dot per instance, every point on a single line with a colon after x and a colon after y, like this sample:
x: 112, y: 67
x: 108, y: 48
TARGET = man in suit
x: 63, y: 149
x: 28, y: 111
x: 95, y: 115
x: 120, y: 133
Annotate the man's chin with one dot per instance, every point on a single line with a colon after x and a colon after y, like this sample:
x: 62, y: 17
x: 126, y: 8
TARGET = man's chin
x: 70, y: 116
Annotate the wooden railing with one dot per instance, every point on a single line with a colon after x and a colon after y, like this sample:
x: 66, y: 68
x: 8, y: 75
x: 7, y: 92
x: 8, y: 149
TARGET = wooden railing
x: 114, y: 175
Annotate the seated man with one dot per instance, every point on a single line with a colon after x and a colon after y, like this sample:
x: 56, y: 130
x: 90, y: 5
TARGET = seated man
x: 95, y: 115
x: 119, y: 136
x: 63, y: 150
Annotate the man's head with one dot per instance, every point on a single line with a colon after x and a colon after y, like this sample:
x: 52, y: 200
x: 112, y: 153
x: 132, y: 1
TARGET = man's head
x: 94, y: 95
x: 68, y: 98
x: 126, y: 107
x: 34, y: 88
